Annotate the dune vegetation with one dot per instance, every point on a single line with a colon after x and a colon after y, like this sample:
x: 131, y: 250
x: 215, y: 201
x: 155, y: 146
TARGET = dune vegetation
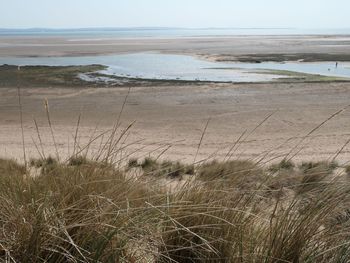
x: 83, y: 210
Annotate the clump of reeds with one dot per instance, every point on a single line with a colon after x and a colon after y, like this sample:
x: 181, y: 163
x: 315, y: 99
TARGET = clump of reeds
x: 315, y: 175
x: 72, y: 213
x: 165, y: 168
x: 282, y: 165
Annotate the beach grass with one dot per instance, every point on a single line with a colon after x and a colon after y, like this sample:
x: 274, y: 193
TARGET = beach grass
x: 233, y: 211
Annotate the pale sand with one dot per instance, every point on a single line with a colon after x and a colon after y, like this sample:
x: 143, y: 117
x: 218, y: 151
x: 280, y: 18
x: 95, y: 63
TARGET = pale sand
x: 177, y: 116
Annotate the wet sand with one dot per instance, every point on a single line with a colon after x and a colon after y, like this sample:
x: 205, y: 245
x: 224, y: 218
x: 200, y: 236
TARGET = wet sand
x: 176, y: 115
x: 236, y: 45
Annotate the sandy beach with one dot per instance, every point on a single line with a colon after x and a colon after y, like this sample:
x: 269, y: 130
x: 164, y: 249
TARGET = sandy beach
x: 175, y: 116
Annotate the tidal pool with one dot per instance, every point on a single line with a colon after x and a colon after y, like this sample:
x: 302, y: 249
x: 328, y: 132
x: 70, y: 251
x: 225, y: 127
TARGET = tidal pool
x: 183, y: 67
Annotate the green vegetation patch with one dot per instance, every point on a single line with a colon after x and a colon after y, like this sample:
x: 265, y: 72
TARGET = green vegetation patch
x: 306, y: 57
x: 167, y: 168
x: 43, y: 76
x: 11, y: 168
x: 68, y: 76
x: 293, y: 76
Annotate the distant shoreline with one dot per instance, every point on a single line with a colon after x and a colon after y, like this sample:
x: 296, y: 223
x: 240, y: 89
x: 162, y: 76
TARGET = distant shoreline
x: 169, y: 31
x: 73, y: 45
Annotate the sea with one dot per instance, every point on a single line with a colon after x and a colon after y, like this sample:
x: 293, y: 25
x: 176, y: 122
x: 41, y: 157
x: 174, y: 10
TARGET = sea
x: 169, y: 32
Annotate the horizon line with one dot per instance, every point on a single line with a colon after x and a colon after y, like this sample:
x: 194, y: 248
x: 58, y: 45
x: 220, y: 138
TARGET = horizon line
x: 154, y: 28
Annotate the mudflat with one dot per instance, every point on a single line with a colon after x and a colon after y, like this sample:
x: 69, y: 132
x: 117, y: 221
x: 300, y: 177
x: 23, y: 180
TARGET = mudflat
x: 221, y: 46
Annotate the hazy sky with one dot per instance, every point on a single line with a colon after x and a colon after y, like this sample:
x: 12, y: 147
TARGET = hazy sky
x: 175, y: 13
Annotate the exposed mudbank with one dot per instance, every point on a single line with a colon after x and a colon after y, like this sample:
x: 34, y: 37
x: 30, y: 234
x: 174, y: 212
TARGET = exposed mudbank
x: 93, y: 76
x: 302, y: 57
x: 74, y: 76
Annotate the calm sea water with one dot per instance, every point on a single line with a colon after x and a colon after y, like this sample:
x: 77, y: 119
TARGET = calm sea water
x: 172, y: 67
x: 173, y: 32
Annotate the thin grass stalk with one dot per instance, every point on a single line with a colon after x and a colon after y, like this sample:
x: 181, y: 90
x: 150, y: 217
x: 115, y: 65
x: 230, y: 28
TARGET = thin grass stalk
x: 201, y: 140
x: 47, y: 110
x: 39, y: 137
x: 116, y: 125
x: 76, y: 135
x: 314, y: 130
x: 21, y: 115
x: 340, y: 150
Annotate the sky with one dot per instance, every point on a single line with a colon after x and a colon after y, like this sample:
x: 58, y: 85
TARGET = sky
x: 175, y: 13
